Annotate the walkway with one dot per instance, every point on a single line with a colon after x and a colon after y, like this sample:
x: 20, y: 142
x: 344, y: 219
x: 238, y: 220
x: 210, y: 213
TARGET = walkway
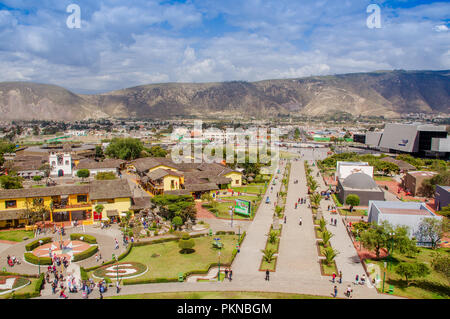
x: 247, y: 262
x: 298, y: 258
x: 347, y: 260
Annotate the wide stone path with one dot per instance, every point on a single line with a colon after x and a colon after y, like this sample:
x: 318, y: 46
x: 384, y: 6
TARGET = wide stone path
x: 298, y: 258
x: 247, y: 262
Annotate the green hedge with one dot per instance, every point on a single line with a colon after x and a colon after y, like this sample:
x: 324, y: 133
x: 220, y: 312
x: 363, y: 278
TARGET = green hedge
x: 148, y: 281
x: 86, y: 238
x: 37, y: 289
x: 16, y: 274
x: 336, y: 200
x: 31, y: 246
x: 83, y: 274
x: 225, y: 232
x: 85, y: 254
x: 36, y: 261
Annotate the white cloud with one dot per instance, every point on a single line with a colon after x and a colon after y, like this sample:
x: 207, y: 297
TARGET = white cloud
x: 123, y: 44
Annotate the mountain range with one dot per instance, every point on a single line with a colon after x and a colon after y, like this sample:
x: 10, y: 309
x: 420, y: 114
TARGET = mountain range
x: 387, y: 93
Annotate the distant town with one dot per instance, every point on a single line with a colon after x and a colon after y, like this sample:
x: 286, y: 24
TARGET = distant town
x: 74, y: 194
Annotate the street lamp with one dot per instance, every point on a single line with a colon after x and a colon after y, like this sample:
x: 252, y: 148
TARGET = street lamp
x: 384, y: 275
x: 392, y: 249
x: 218, y: 273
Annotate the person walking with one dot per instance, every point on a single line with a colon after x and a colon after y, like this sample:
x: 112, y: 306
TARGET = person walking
x: 334, y: 278
x: 300, y: 223
x: 349, y: 291
x: 340, y: 277
x: 335, y: 291
x: 285, y: 216
x: 356, y: 280
x: 331, y: 220
x: 230, y: 275
x: 226, y: 273
x: 335, y: 221
x: 267, y: 274
x: 295, y: 205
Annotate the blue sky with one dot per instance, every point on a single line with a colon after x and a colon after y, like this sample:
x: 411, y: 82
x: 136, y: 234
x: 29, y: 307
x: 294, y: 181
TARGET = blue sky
x: 127, y: 43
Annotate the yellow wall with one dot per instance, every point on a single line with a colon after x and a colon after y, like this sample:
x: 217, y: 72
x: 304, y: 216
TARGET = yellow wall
x: 168, y: 180
x: 21, y: 203
x: 235, y: 177
x: 122, y: 205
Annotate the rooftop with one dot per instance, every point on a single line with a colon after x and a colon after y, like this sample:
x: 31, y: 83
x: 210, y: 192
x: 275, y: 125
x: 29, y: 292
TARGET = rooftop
x: 422, y: 173
x: 400, y: 211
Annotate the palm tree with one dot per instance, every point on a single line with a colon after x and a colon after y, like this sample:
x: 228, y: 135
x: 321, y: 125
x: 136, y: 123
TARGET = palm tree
x: 315, y: 199
x: 272, y: 237
x: 268, y: 255
x: 313, y: 185
x: 330, y: 255
x: 326, y: 236
x: 322, y: 223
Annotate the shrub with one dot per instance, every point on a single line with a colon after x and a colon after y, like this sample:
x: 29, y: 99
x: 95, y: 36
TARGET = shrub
x: 83, y: 273
x: 86, y: 238
x: 186, y: 244
x: 34, y: 244
x: 39, y: 283
x: 29, y: 257
x: 85, y: 254
x: 177, y: 221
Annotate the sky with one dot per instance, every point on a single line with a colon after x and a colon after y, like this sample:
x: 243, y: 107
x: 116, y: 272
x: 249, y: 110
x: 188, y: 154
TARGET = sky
x: 124, y: 43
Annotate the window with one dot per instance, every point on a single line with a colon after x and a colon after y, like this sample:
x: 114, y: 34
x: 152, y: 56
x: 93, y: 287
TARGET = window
x: 81, y: 198
x: 67, y: 162
x: 237, y: 181
x: 10, y: 204
x: 38, y: 201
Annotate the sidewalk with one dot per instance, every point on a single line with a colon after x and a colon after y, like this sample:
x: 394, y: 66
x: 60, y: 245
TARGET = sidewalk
x: 298, y: 258
x: 347, y: 260
x: 247, y: 262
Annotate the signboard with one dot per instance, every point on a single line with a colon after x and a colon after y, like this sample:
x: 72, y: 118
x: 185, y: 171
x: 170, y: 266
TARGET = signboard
x: 242, y: 207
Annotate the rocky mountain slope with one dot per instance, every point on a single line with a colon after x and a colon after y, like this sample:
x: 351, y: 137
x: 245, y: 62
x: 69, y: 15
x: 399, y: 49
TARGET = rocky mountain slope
x: 388, y: 93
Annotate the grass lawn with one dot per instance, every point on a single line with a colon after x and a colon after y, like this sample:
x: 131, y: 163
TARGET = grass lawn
x: 383, y: 178
x: 224, y: 211
x: 170, y: 262
x: 249, y: 198
x: 16, y: 235
x: 356, y: 212
x: 265, y: 265
x: 328, y: 269
x: 219, y: 295
x: 255, y: 188
x: 433, y: 286
x: 27, y: 289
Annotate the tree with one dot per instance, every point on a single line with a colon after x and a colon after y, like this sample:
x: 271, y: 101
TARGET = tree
x: 156, y: 151
x: 441, y: 264
x: 99, y: 208
x: 315, y: 200
x: 99, y: 152
x: 37, y: 178
x: 177, y: 222
x: 186, y: 244
x: 46, y: 169
x: 189, y: 212
x: 11, y: 182
x: 428, y: 186
x: 431, y: 230
x: 272, y: 237
x: 402, y: 242
x: 376, y: 238
x: 412, y: 270
x: 124, y: 148
x: 83, y: 173
x: 352, y: 200
x: 35, y: 210
x: 445, y: 211
x: 326, y: 236
x: 322, y: 224
x: 105, y: 176
x: 268, y: 255
x: 296, y: 133
x: 313, y: 185
x: 330, y: 255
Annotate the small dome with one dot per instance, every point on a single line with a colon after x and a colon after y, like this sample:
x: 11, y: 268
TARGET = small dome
x: 359, y: 181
